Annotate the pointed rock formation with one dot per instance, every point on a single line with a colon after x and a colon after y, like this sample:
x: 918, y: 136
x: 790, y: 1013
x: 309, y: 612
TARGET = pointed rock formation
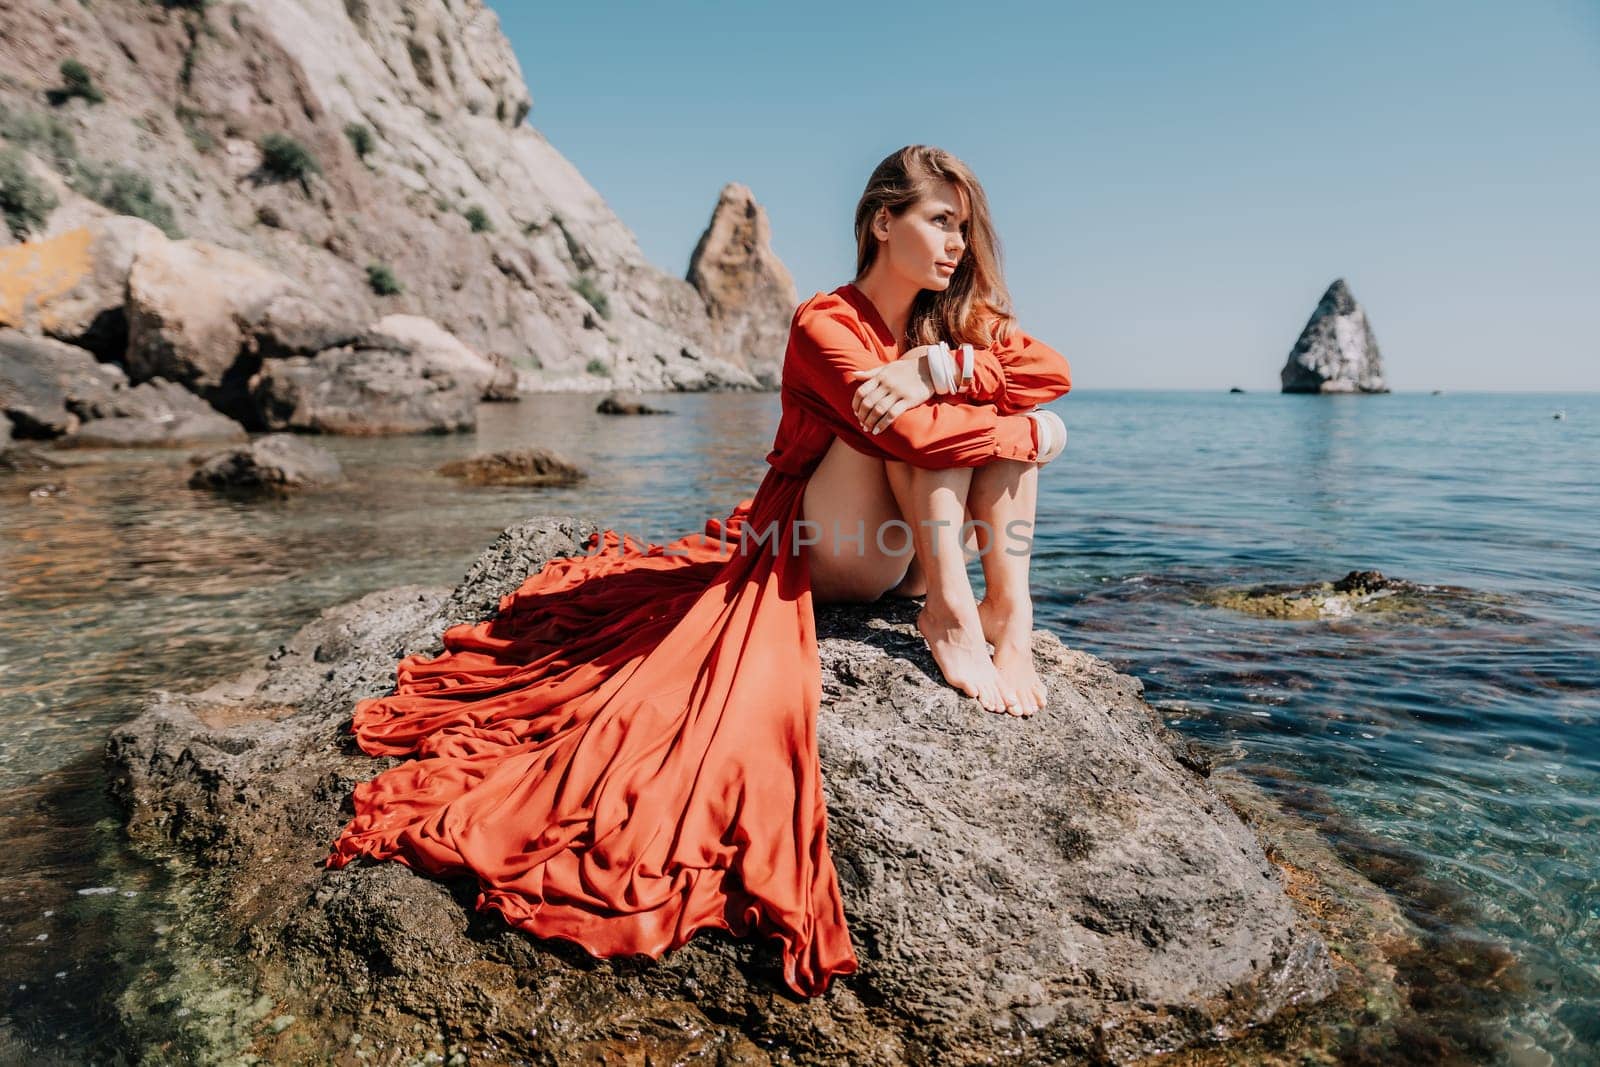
x: 748, y: 292
x: 1336, y: 352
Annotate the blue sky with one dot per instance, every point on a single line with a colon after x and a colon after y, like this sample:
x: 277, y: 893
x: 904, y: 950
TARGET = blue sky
x: 1174, y: 184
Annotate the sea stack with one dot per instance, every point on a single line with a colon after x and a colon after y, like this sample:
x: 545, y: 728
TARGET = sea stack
x: 1336, y: 352
x: 747, y: 290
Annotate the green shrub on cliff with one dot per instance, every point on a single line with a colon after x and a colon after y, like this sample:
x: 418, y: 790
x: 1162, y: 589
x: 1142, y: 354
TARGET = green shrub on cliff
x: 589, y: 289
x: 361, y: 138
x: 127, y: 192
x: 75, y: 81
x: 478, y: 219
x: 285, y: 159
x: 382, y: 280
x: 25, y: 203
x: 40, y: 130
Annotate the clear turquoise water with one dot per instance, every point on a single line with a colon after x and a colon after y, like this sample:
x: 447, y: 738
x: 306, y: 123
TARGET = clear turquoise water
x: 1463, y: 751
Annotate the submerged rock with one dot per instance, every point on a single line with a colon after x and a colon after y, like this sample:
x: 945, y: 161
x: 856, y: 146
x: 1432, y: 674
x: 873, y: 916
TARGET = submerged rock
x: 276, y: 464
x: 1357, y: 591
x: 1048, y: 889
x: 615, y: 405
x: 20, y: 459
x: 1336, y: 352
x: 527, y: 466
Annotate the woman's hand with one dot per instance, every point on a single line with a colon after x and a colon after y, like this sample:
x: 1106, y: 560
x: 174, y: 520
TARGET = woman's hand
x: 1050, y: 433
x: 888, y: 390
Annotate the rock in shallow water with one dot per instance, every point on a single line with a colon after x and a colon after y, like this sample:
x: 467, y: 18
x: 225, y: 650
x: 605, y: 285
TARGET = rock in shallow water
x: 275, y: 464
x: 525, y: 466
x: 1047, y: 889
x: 1357, y: 593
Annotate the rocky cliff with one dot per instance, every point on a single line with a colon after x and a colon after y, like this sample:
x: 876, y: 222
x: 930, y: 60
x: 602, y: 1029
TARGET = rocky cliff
x: 376, y: 152
x: 1337, y: 351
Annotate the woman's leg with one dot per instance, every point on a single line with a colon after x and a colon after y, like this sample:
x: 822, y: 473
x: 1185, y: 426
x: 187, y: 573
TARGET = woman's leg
x: 934, y: 502
x: 863, y: 544
x: 1003, y: 501
x: 849, y: 501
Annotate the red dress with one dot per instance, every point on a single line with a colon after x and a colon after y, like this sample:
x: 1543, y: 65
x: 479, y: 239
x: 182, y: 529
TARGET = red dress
x: 627, y: 752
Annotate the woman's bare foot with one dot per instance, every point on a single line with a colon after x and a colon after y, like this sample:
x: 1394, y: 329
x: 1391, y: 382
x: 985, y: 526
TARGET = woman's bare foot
x: 958, y: 648
x: 1010, y: 629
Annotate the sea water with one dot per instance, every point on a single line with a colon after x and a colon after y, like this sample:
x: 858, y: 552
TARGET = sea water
x: 1457, y: 749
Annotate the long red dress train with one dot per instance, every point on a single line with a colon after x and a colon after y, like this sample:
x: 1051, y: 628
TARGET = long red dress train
x: 626, y: 753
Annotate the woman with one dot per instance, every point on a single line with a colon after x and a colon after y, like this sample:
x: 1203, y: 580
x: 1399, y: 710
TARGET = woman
x: 626, y: 753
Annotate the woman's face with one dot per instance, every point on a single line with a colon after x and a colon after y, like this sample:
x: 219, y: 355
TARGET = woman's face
x: 926, y: 243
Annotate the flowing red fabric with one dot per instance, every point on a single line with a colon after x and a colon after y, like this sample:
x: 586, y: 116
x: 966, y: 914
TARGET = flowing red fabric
x: 626, y: 753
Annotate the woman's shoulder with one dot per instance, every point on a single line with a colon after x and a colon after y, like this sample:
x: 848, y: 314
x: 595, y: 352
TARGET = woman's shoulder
x: 825, y: 303
x: 829, y: 310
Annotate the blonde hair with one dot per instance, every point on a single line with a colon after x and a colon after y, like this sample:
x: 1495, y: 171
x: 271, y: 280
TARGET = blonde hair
x: 975, y: 308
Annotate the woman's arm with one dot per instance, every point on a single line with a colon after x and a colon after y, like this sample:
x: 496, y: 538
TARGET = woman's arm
x: 1016, y: 374
x: 824, y: 348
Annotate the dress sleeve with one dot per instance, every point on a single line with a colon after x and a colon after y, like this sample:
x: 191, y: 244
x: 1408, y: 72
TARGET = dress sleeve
x: 1019, y: 373
x: 824, y: 347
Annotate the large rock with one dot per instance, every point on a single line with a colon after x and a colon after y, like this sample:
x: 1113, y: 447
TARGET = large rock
x: 747, y: 289
x: 155, y: 413
x: 363, y: 392
x: 73, y: 286
x: 440, y: 352
x: 292, y: 324
x: 612, y: 404
x: 274, y: 465
x: 520, y: 466
x: 1336, y: 352
x: 190, y: 306
x: 41, y: 381
x: 1057, y: 889
x: 55, y: 391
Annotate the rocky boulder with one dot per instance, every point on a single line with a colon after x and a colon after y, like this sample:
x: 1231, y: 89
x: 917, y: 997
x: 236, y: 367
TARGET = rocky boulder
x: 1336, y: 352
x: 73, y: 286
x: 748, y: 291
x: 439, y: 352
x: 56, y: 391
x: 293, y: 325
x: 190, y: 304
x: 362, y: 391
x: 276, y: 464
x: 1364, y: 593
x: 525, y: 466
x: 155, y: 413
x: 41, y: 381
x: 612, y: 404
x: 1060, y: 888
